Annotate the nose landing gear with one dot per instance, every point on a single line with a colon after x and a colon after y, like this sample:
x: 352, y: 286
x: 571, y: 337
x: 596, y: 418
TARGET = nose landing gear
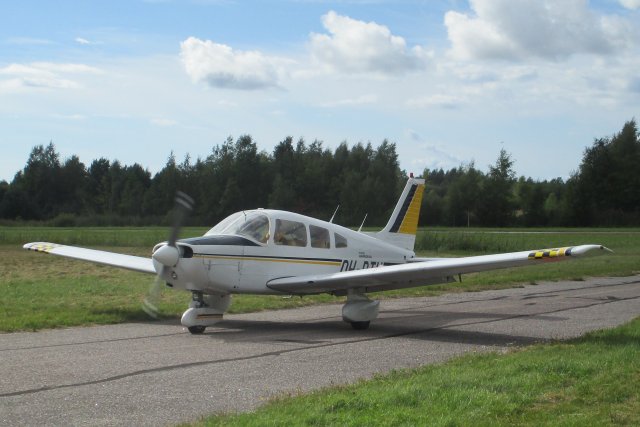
x: 204, y: 310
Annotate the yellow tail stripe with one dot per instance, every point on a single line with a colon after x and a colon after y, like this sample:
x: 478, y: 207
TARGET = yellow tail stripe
x: 410, y: 221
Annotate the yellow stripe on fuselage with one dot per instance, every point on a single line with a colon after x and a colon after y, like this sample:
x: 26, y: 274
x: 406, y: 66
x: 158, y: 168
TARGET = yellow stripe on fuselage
x: 250, y: 258
x: 410, y: 221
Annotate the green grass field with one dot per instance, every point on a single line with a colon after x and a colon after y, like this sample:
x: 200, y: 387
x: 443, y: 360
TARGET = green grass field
x: 44, y: 291
x: 590, y: 381
x: 594, y: 380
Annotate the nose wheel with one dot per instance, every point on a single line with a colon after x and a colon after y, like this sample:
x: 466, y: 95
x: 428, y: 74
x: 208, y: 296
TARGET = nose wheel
x: 360, y: 326
x: 197, y: 330
x: 204, y: 310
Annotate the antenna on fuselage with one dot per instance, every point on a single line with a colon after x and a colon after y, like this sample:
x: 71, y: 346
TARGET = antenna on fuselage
x: 334, y: 213
x: 365, y: 218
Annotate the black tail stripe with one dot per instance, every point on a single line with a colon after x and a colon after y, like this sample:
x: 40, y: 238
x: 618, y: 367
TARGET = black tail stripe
x: 403, y: 210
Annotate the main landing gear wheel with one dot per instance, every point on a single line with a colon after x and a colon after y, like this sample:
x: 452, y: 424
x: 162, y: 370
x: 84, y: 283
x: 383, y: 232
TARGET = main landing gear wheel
x: 198, y: 329
x: 359, y: 326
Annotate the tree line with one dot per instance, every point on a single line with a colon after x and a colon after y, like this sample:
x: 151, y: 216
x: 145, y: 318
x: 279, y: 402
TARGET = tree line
x: 313, y: 180
x: 604, y: 191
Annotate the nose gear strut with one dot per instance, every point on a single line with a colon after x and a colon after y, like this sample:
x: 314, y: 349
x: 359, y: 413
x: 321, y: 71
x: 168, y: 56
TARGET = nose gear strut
x: 204, y: 310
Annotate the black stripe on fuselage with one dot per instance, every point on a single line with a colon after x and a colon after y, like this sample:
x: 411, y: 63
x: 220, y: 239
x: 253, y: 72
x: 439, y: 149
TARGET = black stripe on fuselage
x: 403, y: 210
x: 218, y: 241
x: 269, y: 257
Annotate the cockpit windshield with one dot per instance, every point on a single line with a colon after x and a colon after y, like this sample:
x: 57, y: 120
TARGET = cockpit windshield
x: 253, y: 225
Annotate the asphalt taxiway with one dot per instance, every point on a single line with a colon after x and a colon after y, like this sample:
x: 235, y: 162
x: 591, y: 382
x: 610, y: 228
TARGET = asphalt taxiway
x: 159, y: 374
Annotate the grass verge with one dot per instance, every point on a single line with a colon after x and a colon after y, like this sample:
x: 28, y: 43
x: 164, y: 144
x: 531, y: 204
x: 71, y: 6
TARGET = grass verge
x: 593, y: 380
x: 45, y: 291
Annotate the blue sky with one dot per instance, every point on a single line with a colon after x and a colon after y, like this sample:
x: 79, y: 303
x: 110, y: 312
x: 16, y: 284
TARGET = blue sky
x: 449, y: 81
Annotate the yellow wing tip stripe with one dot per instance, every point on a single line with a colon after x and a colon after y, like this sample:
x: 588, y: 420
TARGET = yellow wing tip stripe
x: 550, y: 253
x: 43, y: 247
x: 410, y: 221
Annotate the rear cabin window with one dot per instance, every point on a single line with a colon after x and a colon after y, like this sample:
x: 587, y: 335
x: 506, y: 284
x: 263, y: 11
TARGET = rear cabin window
x: 319, y: 237
x: 290, y: 233
x: 341, y: 241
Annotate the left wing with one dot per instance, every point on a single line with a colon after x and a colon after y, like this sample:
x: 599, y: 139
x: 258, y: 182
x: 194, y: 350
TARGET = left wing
x: 427, y: 272
x: 130, y: 262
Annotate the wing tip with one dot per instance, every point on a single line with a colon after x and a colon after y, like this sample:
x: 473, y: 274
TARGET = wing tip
x: 590, y: 250
x: 604, y: 248
x: 45, y: 247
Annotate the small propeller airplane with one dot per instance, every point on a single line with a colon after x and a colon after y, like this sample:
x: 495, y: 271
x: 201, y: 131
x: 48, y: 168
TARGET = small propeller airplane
x: 266, y: 251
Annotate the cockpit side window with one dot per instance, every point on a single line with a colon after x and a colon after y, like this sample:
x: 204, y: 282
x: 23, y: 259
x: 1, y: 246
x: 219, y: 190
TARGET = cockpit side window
x: 341, y: 241
x: 253, y: 225
x: 222, y: 225
x: 290, y: 233
x: 256, y: 227
x: 319, y: 237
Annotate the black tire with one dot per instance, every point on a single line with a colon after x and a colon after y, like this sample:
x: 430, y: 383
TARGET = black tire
x: 359, y: 326
x: 197, y: 329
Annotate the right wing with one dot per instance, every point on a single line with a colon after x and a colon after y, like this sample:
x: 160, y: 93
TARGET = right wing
x: 425, y: 272
x: 130, y: 262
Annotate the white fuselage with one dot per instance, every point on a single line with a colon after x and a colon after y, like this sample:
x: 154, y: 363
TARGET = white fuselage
x: 233, y: 259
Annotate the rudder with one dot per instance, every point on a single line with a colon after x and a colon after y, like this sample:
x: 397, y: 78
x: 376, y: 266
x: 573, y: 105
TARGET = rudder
x: 403, y: 224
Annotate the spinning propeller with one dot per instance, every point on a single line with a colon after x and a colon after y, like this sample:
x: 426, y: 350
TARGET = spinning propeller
x: 167, y: 255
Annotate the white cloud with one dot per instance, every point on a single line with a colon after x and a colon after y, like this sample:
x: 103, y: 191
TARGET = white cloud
x: 429, y: 155
x: 220, y: 66
x: 504, y: 29
x: 437, y: 100
x: 66, y: 67
x: 69, y: 116
x: 354, y: 46
x: 346, y: 102
x: 81, y: 40
x: 630, y: 4
x: 43, y: 75
x: 227, y: 103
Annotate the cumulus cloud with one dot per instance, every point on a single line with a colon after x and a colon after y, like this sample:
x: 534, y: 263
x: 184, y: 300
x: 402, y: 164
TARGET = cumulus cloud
x: 630, y: 4
x: 354, y: 46
x: 504, y: 29
x: 219, y: 65
x: 43, y: 75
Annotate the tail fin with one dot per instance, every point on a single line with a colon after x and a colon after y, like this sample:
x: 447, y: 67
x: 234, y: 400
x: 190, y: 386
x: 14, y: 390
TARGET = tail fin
x: 402, y: 226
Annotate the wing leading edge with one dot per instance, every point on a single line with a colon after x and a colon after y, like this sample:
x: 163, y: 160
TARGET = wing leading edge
x: 428, y: 272
x: 130, y: 262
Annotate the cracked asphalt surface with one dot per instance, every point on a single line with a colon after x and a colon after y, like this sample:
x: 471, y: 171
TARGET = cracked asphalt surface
x: 159, y: 374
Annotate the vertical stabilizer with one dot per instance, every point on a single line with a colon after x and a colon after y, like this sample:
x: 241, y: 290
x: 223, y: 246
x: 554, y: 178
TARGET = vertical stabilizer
x: 402, y: 226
